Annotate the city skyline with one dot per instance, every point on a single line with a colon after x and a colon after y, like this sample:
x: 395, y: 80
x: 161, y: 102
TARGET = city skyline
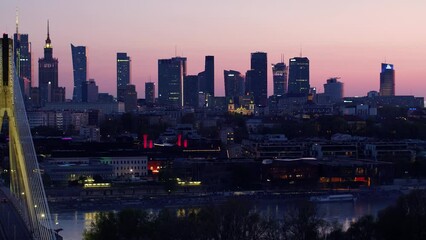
x: 335, y: 39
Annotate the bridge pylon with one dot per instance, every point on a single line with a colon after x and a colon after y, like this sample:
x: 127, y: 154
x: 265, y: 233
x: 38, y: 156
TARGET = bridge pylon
x: 25, y: 178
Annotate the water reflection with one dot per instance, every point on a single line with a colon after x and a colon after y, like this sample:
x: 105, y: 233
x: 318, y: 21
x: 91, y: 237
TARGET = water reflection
x: 75, y: 222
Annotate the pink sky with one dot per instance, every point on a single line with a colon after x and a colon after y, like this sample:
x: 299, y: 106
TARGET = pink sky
x: 348, y: 39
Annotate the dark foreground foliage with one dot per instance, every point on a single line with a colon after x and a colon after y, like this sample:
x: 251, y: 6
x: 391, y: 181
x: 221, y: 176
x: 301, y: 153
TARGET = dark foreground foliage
x: 236, y: 220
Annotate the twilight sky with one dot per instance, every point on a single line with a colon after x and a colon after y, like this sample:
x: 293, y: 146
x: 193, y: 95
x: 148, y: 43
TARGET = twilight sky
x: 348, y: 39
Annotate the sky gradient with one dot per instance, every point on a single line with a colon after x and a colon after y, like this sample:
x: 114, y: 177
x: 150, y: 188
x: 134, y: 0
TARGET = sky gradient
x: 348, y: 39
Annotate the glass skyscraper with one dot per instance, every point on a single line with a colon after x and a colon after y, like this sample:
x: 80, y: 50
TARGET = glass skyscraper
x: 387, y: 80
x: 234, y: 84
x: 171, y: 73
x: 79, y: 63
x: 298, y: 77
x: 190, y: 91
x: 123, y: 73
x: 259, y: 78
x: 22, y: 52
x: 279, y: 73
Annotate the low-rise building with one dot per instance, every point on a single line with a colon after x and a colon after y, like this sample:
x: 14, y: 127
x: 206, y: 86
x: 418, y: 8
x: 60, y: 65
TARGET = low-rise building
x: 332, y: 150
x: 127, y: 167
x: 272, y: 149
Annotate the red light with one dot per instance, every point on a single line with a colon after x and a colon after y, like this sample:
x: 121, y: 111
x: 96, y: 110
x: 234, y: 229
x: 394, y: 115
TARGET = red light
x: 145, y: 140
x: 151, y: 145
x: 185, y: 143
x: 179, y: 141
x: 360, y: 179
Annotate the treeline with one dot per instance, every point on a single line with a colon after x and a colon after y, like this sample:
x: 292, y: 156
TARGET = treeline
x: 236, y: 220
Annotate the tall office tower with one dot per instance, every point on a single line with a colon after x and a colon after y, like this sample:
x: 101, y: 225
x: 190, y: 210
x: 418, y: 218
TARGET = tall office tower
x: 170, y: 81
x: 123, y: 73
x: 79, y: 64
x: 234, y: 84
x: 22, y: 58
x: 207, y: 86
x: 298, y: 80
x: 90, y: 91
x: 259, y: 78
x: 48, y: 74
x: 387, y: 80
x: 334, y: 89
x: 279, y: 73
x: 190, y: 91
x: 150, y: 93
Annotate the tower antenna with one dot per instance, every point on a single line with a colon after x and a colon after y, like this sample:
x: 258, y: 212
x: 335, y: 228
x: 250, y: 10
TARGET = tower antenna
x: 17, y: 21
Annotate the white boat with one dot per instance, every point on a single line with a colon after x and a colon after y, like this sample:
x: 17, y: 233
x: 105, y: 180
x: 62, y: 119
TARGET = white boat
x: 333, y: 198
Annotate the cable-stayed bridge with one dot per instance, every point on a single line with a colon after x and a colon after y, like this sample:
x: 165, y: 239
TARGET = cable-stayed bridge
x: 26, y: 196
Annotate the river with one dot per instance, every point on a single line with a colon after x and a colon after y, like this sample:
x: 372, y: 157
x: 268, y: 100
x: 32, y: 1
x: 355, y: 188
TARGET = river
x: 75, y: 222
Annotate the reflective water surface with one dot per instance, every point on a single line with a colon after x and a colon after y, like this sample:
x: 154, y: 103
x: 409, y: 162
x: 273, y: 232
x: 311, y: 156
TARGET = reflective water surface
x: 74, y: 223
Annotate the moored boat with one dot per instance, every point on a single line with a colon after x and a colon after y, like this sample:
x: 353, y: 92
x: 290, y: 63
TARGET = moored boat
x: 333, y: 198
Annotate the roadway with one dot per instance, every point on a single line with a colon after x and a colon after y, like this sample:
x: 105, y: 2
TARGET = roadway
x: 12, y: 227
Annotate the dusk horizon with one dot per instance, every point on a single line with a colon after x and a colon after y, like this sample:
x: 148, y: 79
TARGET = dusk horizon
x: 346, y: 40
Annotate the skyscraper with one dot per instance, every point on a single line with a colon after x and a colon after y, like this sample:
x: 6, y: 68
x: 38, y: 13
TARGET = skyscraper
x: 170, y: 81
x: 22, y: 58
x: 79, y: 63
x: 48, y: 75
x: 387, y: 80
x: 234, y: 84
x: 279, y: 73
x: 123, y: 73
x: 298, y: 80
x: 206, y: 84
x: 334, y: 89
x: 190, y: 91
x: 150, y: 93
x: 259, y: 78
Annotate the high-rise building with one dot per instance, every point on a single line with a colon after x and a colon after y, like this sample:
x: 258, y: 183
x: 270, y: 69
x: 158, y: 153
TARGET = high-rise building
x: 170, y: 81
x: 234, y: 84
x: 190, y: 91
x: 123, y: 73
x: 334, y: 89
x: 387, y: 80
x: 298, y: 80
x: 90, y: 91
x: 150, y: 93
x: 48, y: 75
x: 22, y: 58
x: 79, y: 63
x: 259, y: 78
x: 279, y: 73
x: 206, y: 84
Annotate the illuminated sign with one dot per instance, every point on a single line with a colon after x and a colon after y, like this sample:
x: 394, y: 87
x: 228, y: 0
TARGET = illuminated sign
x: 387, y: 67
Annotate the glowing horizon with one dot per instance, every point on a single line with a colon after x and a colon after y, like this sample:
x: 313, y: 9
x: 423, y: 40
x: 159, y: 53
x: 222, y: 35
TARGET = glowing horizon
x: 342, y: 39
